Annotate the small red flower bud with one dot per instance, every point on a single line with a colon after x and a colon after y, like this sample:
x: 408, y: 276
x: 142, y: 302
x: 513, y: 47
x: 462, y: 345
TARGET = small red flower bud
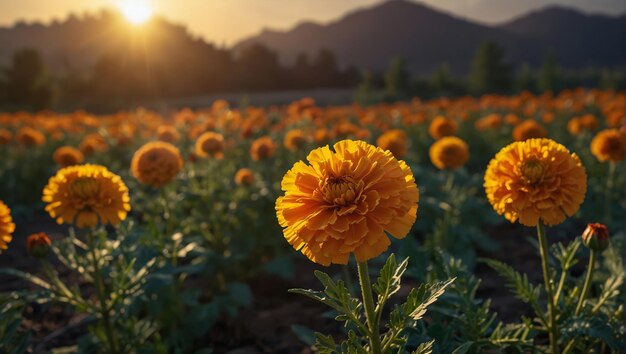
x: 596, y: 237
x: 38, y: 245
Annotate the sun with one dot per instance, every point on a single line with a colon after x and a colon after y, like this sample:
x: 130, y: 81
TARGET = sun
x: 136, y: 11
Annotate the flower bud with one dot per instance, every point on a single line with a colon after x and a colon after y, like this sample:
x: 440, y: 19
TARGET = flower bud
x: 38, y: 245
x: 596, y: 237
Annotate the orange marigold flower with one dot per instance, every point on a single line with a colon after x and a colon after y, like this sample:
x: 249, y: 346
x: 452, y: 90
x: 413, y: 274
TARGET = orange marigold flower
x: 321, y: 136
x: 6, y: 226
x: 442, y: 126
x: 535, y: 179
x: 491, y: 121
x: 210, y: 144
x: 262, y: 148
x: 344, y: 201
x: 156, y: 163
x: 30, y: 137
x: 38, y: 245
x: 5, y: 136
x: 294, y: 140
x: 609, y: 145
x: 449, y: 153
x: 596, y: 237
x: 86, y: 195
x: 68, y: 156
x: 93, y: 143
x: 394, y: 140
x: 589, y: 122
x: 529, y: 129
x: 168, y: 133
x: 574, y: 126
x: 244, y: 176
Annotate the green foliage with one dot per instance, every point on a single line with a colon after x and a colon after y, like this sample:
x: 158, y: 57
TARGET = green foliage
x: 397, y: 80
x: 550, y: 78
x: 350, y: 310
x: 489, y: 73
x: 28, y: 84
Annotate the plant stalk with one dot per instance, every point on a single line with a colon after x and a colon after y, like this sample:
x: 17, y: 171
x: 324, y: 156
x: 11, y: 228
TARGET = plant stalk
x: 543, y: 250
x: 587, y: 283
x: 368, y: 303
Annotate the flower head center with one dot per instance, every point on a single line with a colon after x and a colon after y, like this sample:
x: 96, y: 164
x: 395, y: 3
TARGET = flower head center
x: 342, y: 191
x: 533, y: 171
x: 85, y: 192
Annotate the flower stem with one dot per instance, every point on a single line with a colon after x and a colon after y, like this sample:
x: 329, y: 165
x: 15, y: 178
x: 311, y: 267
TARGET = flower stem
x: 587, y: 284
x: 543, y: 250
x: 368, y: 303
x: 99, y: 284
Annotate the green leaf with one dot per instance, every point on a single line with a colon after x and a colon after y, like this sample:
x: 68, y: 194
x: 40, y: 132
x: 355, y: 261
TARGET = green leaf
x: 425, y: 295
x: 424, y: 348
x: 26, y: 276
x: 463, y: 348
x: 517, y: 282
x: 389, y: 280
x: 325, y: 344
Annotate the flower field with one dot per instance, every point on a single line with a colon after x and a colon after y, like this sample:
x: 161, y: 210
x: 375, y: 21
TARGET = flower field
x: 490, y: 224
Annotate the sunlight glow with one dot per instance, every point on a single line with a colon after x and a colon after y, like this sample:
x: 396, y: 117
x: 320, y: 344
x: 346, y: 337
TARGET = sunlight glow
x: 136, y: 11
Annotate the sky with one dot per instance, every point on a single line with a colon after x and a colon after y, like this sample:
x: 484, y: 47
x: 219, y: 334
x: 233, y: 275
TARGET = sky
x: 224, y: 22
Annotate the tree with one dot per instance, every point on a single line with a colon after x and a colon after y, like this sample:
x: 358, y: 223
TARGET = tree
x: 397, y: 80
x: 259, y: 68
x: 324, y: 67
x: 442, y: 81
x: 549, y: 78
x: 365, y: 91
x: 525, y: 79
x: 488, y: 72
x: 27, y: 82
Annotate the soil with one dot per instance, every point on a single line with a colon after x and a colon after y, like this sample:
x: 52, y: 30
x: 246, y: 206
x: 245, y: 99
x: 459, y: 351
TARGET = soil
x: 266, y: 325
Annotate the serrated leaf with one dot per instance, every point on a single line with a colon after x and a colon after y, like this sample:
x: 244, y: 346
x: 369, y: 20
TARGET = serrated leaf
x: 425, y: 295
x: 463, y: 348
x: 26, y: 276
x: 390, y: 277
x: 424, y: 348
x: 517, y: 282
x: 325, y: 344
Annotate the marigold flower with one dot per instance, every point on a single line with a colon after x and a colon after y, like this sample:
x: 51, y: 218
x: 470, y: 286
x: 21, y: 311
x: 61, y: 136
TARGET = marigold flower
x: 6, y: 226
x: 5, y: 136
x: 529, y: 129
x: 156, y: 163
x: 262, y: 148
x: 93, y: 143
x: 574, y: 126
x: 294, y: 139
x: 491, y: 121
x: 394, y: 140
x: 343, y: 202
x: 449, y: 153
x: 244, y: 176
x: 30, y: 137
x: 535, y: 179
x: 609, y: 145
x: 168, y: 133
x: 38, y: 245
x: 68, y: 156
x: 210, y: 144
x: 86, y: 195
x: 442, y: 126
x: 596, y: 237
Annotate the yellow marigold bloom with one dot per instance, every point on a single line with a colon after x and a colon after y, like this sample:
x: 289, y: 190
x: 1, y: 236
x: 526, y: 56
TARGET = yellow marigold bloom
x: 30, y: 137
x: 6, y: 226
x: 491, y: 121
x: 609, y: 145
x: 574, y: 126
x: 168, y: 133
x: 68, y: 156
x: 262, y: 148
x: 449, y: 153
x: 529, y: 129
x: 86, y: 195
x: 344, y: 201
x: 535, y: 179
x: 244, y: 176
x: 294, y: 140
x: 5, y: 136
x: 156, y: 163
x: 442, y: 126
x: 210, y: 144
x: 394, y: 140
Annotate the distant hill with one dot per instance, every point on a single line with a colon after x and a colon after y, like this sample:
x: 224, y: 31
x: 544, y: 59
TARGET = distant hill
x: 370, y: 37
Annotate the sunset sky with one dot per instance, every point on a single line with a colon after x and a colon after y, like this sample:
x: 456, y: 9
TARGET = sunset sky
x: 227, y: 21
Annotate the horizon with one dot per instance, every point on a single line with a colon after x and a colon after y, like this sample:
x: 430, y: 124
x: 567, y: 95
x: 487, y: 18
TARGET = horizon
x: 286, y: 18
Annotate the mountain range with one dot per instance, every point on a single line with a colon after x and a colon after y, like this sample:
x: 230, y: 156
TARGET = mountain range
x: 367, y: 38
x: 425, y: 37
